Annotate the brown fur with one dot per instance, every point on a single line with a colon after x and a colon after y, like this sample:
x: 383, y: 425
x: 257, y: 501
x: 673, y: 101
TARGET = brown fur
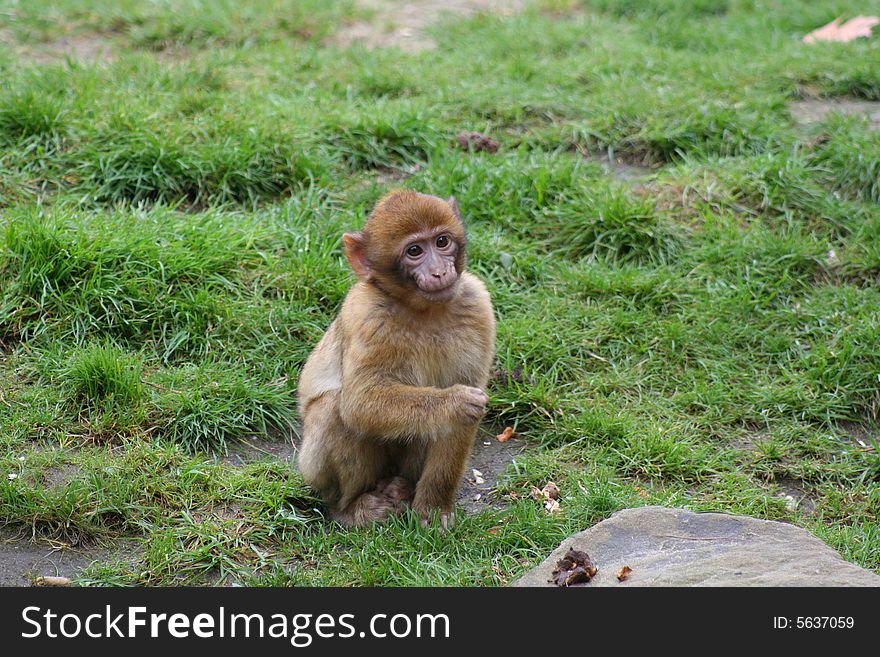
x: 392, y: 395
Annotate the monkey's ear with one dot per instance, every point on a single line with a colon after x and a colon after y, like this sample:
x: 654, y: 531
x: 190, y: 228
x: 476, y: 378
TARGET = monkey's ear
x: 452, y: 203
x: 353, y: 245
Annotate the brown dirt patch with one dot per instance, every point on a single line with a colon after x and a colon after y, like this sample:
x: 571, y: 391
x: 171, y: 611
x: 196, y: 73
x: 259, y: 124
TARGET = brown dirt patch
x: 748, y: 442
x: 259, y: 449
x: 794, y: 492
x: 621, y: 169
x: 91, y: 48
x: 59, y: 476
x: 866, y: 437
x: 399, y: 24
x: 810, y: 111
x: 385, y: 175
x: 490, y: 458
x: 22, y: 559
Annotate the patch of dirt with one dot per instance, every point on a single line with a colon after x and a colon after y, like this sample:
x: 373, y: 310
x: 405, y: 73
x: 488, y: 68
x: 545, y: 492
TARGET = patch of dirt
x: 387, y: 175
x: 220, y: 514
x: 489, y: 457
x: 620, y: 169
x: 7, y: 37
x: 22, y: 560
x: 92, y: 48
x: 748, y: 442
x: 400, y: 24
x: 243, y: 452
x: 810, y: 111
x: 860, y: 433
x: 56, y: 477
x: 796, y: 495
x: 863, y: 436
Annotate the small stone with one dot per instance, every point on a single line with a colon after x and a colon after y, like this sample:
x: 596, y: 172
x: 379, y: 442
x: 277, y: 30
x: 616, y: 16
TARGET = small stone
x: 790, y: 502
x: 831, y: 258
x: 52, y: 581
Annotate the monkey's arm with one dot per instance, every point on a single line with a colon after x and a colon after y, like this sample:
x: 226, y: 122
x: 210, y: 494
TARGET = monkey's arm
x: 379, y: 407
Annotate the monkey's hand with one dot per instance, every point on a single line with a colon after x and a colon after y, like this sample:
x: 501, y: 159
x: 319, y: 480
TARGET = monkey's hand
x: 468, y: 403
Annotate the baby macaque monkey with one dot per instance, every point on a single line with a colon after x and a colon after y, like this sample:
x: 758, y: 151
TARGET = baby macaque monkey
x: 392, y: 395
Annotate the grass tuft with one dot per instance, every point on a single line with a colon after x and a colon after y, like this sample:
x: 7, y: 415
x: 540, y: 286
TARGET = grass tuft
x: 612, y: 227
x: 101, y: 371
x: 211, y: 407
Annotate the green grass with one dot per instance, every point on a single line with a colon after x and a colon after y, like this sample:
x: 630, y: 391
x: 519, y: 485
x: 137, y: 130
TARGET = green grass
x: 705, y: 336
x: 103, y: 371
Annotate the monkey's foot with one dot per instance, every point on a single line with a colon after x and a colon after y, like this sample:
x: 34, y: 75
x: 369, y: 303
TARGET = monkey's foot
x: 398, y: 490
x: 447, y: 518
x: 368, y: 508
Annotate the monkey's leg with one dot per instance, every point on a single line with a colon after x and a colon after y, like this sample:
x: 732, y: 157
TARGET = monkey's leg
x: 398, y: 489
x: 444, y: 462
x: 346, y: 470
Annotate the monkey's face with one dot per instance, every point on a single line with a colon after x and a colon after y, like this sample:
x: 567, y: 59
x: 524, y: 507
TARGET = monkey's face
x: 429, y: 259
x: 412, y: 247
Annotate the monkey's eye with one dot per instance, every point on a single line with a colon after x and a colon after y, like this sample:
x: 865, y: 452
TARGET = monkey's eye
x: 414, y: 251
x: 443, y: 241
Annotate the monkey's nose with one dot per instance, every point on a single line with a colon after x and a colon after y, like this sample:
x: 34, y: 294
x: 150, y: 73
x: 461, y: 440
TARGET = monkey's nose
x: 439, y: 274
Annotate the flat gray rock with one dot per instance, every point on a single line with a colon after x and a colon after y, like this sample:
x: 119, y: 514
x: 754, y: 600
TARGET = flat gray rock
x: 674, y: 547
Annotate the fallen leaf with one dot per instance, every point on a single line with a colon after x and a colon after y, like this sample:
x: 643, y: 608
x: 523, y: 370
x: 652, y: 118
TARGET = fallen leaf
x: 860, y: 26
x: 478, y: 477
x: 552, y: 506
x: 575, y: 567
x: 477, y: 141
x: 51, y: 581
x: 623, y: 573
x: 550, y: 491
x: 536, y: 493
x: 505, y: 435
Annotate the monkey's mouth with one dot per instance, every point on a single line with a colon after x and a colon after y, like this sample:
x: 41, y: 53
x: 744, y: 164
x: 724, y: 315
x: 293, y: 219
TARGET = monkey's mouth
x: 439, y: 293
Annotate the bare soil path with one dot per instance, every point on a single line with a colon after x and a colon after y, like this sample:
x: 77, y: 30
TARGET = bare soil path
x: 398, y: 24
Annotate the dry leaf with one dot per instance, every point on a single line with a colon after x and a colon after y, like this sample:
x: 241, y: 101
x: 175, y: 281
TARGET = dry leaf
x: 536, y: 493
x: 552, y: 506
x: 575, y: 567
x: 860, y: 26
x: 477, y: 142
x: 478, y: 477
x: 51, y: 581
x: 505, y: 435
x: 623, y: 573
x: 550, y: 491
